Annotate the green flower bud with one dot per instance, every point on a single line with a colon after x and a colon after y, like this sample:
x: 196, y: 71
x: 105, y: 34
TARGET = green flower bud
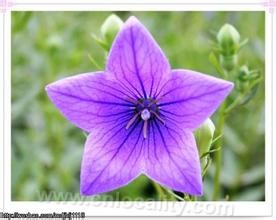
x: 204, y: 137
x: 229, y: 40
x: 228, y: 62
x: 242, y: 82
x: 243, y: 74
x: 54, y: 42
x: 247, y: 77
x: 110, y: 28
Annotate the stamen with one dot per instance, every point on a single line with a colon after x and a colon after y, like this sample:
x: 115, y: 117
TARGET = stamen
x: 159, y: 98
x: 145, y: 129
x: 129, y: 99
x: 158, y: 117
x: 132, y: 120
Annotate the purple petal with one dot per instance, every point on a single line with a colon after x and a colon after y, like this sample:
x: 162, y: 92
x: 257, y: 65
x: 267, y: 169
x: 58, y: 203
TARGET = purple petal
x: 89, y: 100
x: 112, y: 158
x: 188, y: 98
x: 172, y: 159
x: 136, y: 60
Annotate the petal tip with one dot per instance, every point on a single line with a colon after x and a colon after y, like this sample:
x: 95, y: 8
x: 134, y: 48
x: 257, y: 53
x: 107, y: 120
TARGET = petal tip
x: 230, y: 86
x: 199, y: 191
x: 51, y: 89
x: 83, y: 193
x: 197, y: 188
x: 132, y: 19
x: 86, y: 190
x: 48, y: 87
x: 53, y: 85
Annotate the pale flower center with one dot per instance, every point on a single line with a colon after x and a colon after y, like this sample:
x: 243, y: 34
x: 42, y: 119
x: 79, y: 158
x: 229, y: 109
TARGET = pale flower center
x: 145, y: 114
x: 148, y: 110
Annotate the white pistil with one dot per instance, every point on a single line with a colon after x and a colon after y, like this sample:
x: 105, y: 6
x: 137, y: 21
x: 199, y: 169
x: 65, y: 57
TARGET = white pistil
x: 145, y: 128
x: 145, y: 114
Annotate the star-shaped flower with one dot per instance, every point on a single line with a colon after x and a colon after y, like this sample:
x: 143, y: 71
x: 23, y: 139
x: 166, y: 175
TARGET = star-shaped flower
x: 140, y: 115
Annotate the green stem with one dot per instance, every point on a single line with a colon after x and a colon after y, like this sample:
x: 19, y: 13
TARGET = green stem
x: 209, y: 160
x: 241, y: 96
x: 218, y: 154
x: 234, y: 104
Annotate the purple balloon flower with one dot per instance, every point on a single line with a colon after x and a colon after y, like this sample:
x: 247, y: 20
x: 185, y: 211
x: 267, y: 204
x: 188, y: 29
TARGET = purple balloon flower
x: 140, y: 115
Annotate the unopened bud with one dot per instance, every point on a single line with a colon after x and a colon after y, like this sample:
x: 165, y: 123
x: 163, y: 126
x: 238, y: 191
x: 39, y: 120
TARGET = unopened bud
x: 110, y: 28
x: 246, y: 77
x: 204, y: 137
x: 229, y: 40
x: 54, y: 42
x: 228, y: 62
x: 243, y: 73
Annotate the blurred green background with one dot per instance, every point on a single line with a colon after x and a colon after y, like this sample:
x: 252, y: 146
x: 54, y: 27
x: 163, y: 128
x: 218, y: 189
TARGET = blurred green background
x: 47, y: 149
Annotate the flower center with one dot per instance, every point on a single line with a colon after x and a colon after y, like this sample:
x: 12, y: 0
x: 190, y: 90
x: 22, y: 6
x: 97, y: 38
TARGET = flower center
x: 148, y: 110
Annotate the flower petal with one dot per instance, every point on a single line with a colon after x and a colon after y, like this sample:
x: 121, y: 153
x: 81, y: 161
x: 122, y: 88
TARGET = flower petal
x: 172, y: 159
x: 89, y: 100
x: 189, y: 97
x: 112, y: 158
x: 136, y: 60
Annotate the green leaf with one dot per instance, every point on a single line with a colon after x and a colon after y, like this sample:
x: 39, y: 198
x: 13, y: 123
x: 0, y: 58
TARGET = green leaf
x: 243, y: 43
x: 214, y: 61
x: 251, y: 194
x: 100, y: 42
x: 253, y: 176
x: 94, y: 62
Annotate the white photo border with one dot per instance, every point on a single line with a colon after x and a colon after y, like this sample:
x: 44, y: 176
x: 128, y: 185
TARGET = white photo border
x: 135, y: 208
